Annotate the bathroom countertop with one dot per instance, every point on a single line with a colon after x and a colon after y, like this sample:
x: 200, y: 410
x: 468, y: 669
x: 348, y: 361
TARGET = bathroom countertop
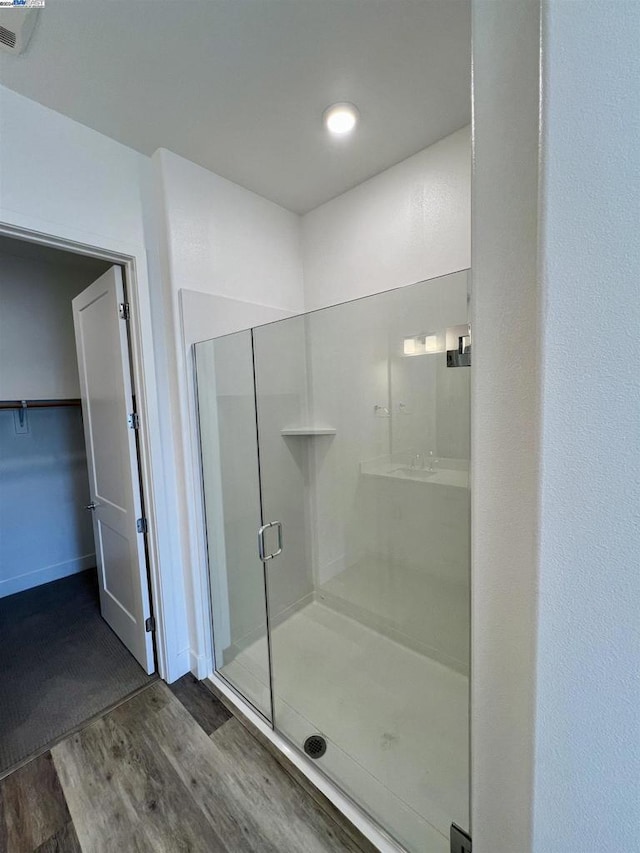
x: 442, y: 476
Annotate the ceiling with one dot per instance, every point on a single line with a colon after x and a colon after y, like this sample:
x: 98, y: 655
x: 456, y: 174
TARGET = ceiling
x: 239, y: 86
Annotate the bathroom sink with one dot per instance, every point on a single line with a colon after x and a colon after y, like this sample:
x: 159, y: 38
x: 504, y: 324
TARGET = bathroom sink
x: 413, y: 473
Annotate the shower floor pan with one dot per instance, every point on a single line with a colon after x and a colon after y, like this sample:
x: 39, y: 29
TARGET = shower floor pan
x: 395, y: 721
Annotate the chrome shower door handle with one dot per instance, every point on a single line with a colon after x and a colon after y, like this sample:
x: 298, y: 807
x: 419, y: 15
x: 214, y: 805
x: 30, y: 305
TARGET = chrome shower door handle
x: 261, y: 543
x: 278, y: 525
x: 261, y: 548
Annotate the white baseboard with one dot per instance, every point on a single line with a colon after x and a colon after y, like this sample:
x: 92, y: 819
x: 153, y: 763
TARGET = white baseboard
x: 199, y: 665
x: 49, y: 573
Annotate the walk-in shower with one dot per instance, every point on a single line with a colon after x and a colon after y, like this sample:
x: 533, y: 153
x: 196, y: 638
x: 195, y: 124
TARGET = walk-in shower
x: 335, y: 452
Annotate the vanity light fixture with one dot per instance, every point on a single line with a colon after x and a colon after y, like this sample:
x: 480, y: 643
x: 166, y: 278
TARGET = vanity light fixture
x: 421, y: 345
x: 340, y: 119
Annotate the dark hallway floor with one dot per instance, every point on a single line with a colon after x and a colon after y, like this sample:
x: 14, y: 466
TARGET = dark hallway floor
x: 60, y: 665
x: 168, y: 770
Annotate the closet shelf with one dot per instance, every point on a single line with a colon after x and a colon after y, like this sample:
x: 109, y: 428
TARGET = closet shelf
x: 38, y: 404
x: 308, y: 430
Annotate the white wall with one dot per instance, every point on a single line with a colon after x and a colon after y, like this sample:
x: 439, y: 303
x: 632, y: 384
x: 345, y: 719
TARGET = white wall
x: 409, y: 223
x: 222, y: 240
x: 204, y: 316
x: 64, y: 180
x: 587, y: 768
x: 45, y: 534
x: 58, y: 174
x: 37, y: 343
x: 556, y: 253
x: 226, y: 240
x: 46, y: 466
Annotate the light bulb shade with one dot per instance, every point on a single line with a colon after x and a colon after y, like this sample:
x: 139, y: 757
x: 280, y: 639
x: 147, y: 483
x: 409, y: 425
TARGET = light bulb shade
x: 409, y: 346
x: 421, y: 345
x: 431, y: 344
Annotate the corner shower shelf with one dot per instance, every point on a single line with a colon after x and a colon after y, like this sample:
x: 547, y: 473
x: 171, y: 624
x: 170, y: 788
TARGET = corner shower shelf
x: 308, y: 430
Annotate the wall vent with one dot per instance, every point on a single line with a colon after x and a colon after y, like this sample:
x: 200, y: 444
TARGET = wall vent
x: 7, y: 38
x: 16, y: 26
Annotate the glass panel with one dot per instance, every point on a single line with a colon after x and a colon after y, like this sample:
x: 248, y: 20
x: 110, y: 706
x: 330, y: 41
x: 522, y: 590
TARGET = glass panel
x: 226, y: 404
x: 364, y: 453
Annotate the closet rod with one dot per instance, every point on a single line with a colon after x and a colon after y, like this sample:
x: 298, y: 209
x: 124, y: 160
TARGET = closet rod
x: 38, y: 404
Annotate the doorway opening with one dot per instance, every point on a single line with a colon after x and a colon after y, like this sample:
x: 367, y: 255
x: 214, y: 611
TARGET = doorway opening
x: 75, y: 608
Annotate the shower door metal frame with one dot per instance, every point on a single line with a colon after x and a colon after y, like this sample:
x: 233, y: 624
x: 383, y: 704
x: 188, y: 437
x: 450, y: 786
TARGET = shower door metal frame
x: 263, y: 526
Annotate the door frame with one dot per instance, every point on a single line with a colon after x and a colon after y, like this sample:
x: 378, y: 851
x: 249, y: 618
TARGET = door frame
x: 144, y: 383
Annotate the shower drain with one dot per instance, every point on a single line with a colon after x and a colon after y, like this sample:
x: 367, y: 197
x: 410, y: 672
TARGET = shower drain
x: 315, y: 746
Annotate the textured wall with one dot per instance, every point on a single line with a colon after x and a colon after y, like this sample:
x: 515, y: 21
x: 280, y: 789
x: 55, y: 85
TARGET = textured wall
x: 588, y: 719
x: 407, y: 224
x: 226, y: 240
x: 74, y: 178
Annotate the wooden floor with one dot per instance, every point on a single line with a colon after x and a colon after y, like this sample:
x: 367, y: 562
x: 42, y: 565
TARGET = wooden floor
x: 168, y: 771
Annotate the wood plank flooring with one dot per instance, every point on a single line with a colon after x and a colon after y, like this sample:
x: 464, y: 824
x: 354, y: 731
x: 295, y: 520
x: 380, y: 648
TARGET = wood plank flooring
x: 208, y: 711
x: 168, y: 771
x: 33, y: 810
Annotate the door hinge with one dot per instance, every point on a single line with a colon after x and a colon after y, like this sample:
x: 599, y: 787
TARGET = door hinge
x: 134, y: 420
x: 123, y: 310
x: 150, y: 624
x: 141, y: 525
x: 460, y: 840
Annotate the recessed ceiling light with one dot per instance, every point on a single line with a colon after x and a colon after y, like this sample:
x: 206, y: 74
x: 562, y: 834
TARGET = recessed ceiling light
x: 340, y: 119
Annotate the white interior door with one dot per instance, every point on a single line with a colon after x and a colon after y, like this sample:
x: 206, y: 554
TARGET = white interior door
x: 107, y: 403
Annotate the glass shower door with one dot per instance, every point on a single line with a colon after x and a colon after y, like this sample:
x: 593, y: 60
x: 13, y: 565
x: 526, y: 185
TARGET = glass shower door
x: 229, y: 450
x: 364, y: 453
